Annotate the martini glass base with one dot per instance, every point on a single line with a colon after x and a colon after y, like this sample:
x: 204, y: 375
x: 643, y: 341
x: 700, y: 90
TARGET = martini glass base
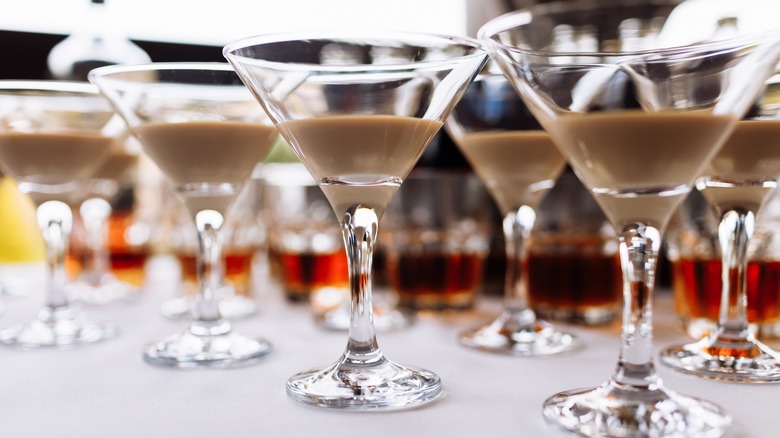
x: 519, y: 334
x: 614, y: 411
x: 740, y: 360
x: 382, y: 385
x: 57, y: 327
x: 217, y: 347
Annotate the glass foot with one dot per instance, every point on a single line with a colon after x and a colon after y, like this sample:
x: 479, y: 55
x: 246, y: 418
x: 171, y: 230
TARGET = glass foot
x: 519, y: 334
x: 99, y: 291
x: 612, y: 410
x: 206, y: 346
x: 381, y: 385
x: 741, y: 360
x: 60, y: 327
x: 233, y: 307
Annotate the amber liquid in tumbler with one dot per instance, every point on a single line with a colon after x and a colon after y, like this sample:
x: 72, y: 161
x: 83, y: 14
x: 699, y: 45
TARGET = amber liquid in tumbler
x: 238, y: 270
x: 697, y: 286
x: 573, y: 279
x: 435, y: 281
x: 127, y: 261
x: 303, y: 273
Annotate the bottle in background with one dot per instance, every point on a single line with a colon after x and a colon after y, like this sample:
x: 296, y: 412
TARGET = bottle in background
x: 99, y: 42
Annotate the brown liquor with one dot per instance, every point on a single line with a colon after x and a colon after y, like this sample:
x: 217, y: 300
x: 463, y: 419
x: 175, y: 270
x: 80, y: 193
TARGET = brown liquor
x: 574, y: 279
x: 697, y: 286
x: 302, y: 273
x: 238, y: 269
x: 127, y: 259
x: 435, y: 281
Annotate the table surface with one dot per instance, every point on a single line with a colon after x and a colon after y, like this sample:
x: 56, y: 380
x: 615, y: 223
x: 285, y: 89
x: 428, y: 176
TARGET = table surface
x: 107, y: 390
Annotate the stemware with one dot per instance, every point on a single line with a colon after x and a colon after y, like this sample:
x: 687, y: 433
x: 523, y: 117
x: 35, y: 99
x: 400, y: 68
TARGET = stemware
x: 638, y: 121
x: 53, y: 135
x: 358, y: 109
x: 97, y: 284
x: 738, y: 181
x: 519, y: 164
x: 206, y: 133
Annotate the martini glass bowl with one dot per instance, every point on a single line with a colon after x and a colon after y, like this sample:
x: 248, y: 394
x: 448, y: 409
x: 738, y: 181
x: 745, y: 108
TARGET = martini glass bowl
x: 638, y: 118
x: 53, y: 135
x: 206, y: 133
x: 359, y: 109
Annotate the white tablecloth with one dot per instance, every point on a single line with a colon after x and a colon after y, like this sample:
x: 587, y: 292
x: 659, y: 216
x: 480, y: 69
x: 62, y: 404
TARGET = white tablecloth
x: 106, y: 390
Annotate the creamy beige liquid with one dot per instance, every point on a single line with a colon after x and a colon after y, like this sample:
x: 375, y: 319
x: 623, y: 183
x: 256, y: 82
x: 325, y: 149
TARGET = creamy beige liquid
x: 518, y: 167
x: 751, y: 152
x: 206, y: 153
x: 640, y: 165
x: 53, y: 158
x: 745, y: 170
x: 360, y: 159
x: 116, y: 165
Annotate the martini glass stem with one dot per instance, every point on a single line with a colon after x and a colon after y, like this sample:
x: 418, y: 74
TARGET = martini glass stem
x: 95, y: 213
x: 205, y: 313
x: 359, y: 227
x: 517, y: 226
x: 639, y: 246
x: 734, y: 233
x: 55, y: 220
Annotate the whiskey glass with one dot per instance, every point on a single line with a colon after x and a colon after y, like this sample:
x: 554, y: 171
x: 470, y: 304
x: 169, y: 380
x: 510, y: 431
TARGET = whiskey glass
x: 519, y: 163
x: 638, y: 119
x: 206, y: 133
x: 53, y: 136
x: 737, y: 183
x: 359, y: 109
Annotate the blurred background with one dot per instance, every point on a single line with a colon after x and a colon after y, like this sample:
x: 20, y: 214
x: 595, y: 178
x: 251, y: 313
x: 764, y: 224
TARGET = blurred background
x: 186, y: 30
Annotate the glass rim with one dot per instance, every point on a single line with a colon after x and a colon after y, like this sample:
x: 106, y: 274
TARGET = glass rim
x: 230, y: 50
x: 108, y: 70
x: 42, y: 85
x: 515, y: 19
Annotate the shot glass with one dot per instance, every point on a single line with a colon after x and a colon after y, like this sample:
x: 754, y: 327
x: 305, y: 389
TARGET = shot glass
x: 573, y: 263
x: 435, y: 240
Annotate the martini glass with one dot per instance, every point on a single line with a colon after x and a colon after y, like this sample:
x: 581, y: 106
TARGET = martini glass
x: 52, y: 137
x: 637, y: 127
x: 519, y: 164
x: 358, y: 109
x: 206, y: 133
x: 738, y: 181
x: 97, y: 284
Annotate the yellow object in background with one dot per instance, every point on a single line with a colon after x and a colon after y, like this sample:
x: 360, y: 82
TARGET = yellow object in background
x: 20, y: 237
